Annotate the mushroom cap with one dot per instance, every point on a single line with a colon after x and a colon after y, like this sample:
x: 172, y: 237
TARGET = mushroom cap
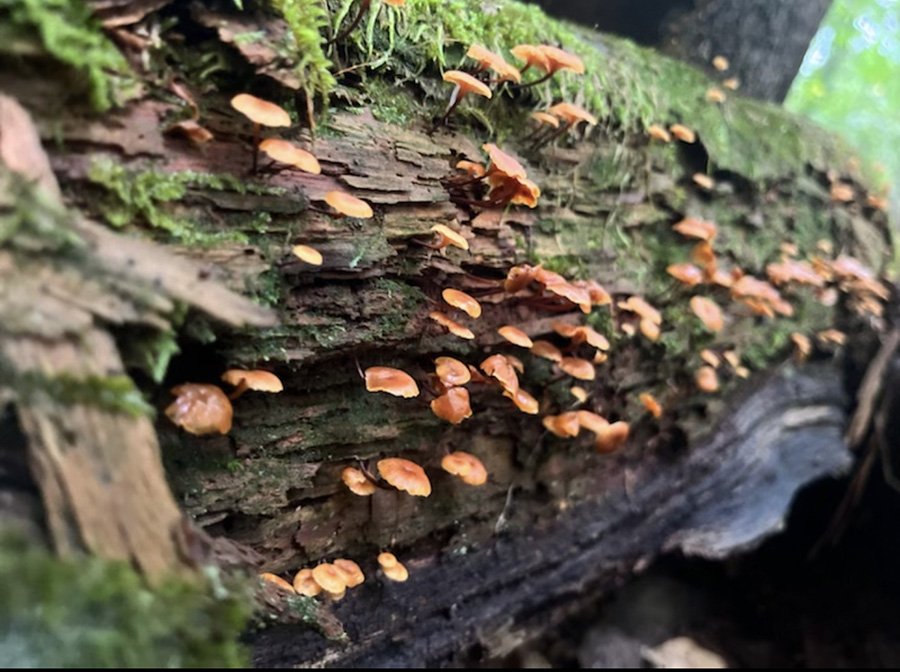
x: 467, y: 83
x: 720, y: 63
x: 467, y: 467
x: 392, y: 568
x: 455, y: 328
x: 497, y: 366
x: 651, y: 404
x: 515, y: 336
x: 559, y: 59
x: 591, y: 421
x: 612, y: 437
x: 704, y: 181
x: 405, y: 475
x: 506, y: 72
x: 260, y: 111
x: 650, y: 329
x: 545, y: 118
x: 200, y: 409
x: 351, y: 571
x: 277, y: 581
x: 579, y: 393
x: 387, y: 560
x: 503, y: 163
x: 471, y: 167
x: 696, y: 228
x: 546, y: 350
x: 452, y: 372
x: 515, y: 363
x: 572, y: 114
x: 532, y: 55
x: 463, y: 301
x: 707, y: 380
x: 395, y: 3
x: 305, y: 584
x: 286, y: 152
x: 308, y: 254
x: 519, y: 277
x: 732, y: 83
x: 330, y: 578
x: 657, y: 132
x: 577, y: 368
x: 348, y: 205
x: 709, y: 312
x: 450, y: 237
x: 453, y: 406
x: 710, y: 358
x: 489, y: 60
x: 732, y: 358
x: 357, y: 482
x: 715, y: 95
x: 686, y: 273
x: 523, y: 401
x: 261, y: 381
x: 638, y: 305
x: 564, y: 425
x: 683, y: 133
x: 393, y: 381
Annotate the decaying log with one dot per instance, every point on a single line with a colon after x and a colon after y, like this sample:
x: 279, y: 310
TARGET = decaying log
x: 556, y: 521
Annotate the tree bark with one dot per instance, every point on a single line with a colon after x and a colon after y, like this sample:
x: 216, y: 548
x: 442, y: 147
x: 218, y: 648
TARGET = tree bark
x: 712, y: 476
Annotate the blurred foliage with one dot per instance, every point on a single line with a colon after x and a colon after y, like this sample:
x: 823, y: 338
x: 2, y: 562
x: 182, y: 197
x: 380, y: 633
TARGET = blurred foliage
x: 850, y: 82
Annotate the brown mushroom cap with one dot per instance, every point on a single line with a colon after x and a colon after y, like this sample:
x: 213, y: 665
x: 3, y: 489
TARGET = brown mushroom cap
x: 564, y: 425
x: 330, y: 578
x: 638, y: 305
x: 357, y: 482
x: 454, y: 327
x: 200, y: 409
x: 405, y: 475
x: 591, y: 421
x: 305, y: 584
x: 696, y: 228
x: 708, y: 312
x: 467, y: 83
x: 453, y: 406
x: 523, y: 401
x: 686, y: 273
x: 546, y: 350
x: 261, y: 381
x: 260, y: 111
x: 452, y: 372
x: 579, y: 393
x: 650, y: 329
x: 393, y: 381
x: 471, y: 167
x: 307, y: 254
x: 515, y: 336
x: 612, y: 438
x: 351, y: 571
x: 450, y: 237
x: 463, y: 301
x: 467, y: 467
x: 348, y: 205
x: 519, y: 277
x: 286, y: 152
x: 710, y: 358
x: 497, y: 366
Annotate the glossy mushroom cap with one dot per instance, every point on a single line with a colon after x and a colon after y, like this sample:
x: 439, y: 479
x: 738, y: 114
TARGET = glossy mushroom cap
x: 559, y: 59
x: 454, y: 327
x: 405, y: 475
x: 578, y: 368
x: 683, y: 133
x: 307, y: 254
x: 450, y: 237
x: 260, y: 111
x: 200, y: 409
x: 651, y: 404
x: 349, y: 205
x: 277, y: 581
x: 305, y: 584
x: 261, y: 381
x: 286, y: 152
x: 463, y: 301
x: 393, y: 381
x: 357, y: 482
x: 532, y: 55
x: 330, y: 578
x: 707, y: 380
x: 709, y: 313
x: 453, y: 406
x: 572, y: 114
x: 467, y: 467
x: 523, y: 401
x: 501, y: 162
x: 351, y: 571
x: 515, y: 336
x: 467, y: 83
x: 392, y: 568
x: 452, y: 372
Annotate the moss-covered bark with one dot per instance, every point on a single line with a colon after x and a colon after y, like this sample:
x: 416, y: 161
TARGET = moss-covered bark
x: 609, y: 197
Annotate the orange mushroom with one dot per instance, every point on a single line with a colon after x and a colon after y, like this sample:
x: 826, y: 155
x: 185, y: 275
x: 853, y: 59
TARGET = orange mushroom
x: 305, y: 584
x: 523, y: 401
x: 497, y: 366
x: 468, y: 468
x: 515, y: 336
x: 286, y: 152
x: 464, y: 84
x: 330, y: 578
x: 696, y: 228
x: 683, y: 133
x: 277, y: 581
x: 454, y: 327
x: 611, y: 438
x: 488, y: 60
x: 448, y: 237
x: 405, y: 475
x: 732, y: 83
x: 703, y: 181
x: 715, y: 95
x: 707, y: 380
x: 651, y: 404
x: 260, y: 381
x: 453, y: 406
x: 357, y: 482
x: 353, y: 574
x: 348, y: 205
x: 709, y: 313
x: 393, y: 569
x: 393, y: 381
x: 650, y: 329
x: 657, y: 132
x: 307, y: 254
x: 261, y: 113
x: 200, y: 409
x: 463, y: 301
x: 686, y: 273
x: 452, y: 372
x: 720, y: 63
x: 578, y: 368
x: 564, y: 425
x: 551, y: 60
x: 546, y: 350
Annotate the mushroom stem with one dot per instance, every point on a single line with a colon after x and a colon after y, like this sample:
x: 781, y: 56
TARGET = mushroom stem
x: 363, y: 6
x: 255, y: 146
x: 455, y: 97
x: 540, y: 80
x: 377, y: 482
x: 239, y: 390
x: 541, y: 142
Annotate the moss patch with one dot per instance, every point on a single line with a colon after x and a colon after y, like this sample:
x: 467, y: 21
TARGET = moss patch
x: 97, y: 614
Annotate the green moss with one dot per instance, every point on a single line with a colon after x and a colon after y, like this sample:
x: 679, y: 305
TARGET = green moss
x: 306, y: 19
x: 143, y: 195
x: 93, y: 613
x: 68, y: 31
x: 31, y: 220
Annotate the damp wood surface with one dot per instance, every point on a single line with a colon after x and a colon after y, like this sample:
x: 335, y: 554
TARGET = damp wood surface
x: 713, y: 476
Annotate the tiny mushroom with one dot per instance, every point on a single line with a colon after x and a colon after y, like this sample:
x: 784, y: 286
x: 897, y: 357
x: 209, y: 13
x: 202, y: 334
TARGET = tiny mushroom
x: 611, y: 438
x: 564, y: 425
x: 348, y: 205
x: 467, y: 467
x: 720, y: 63
x: 515, y: 336
x: 200, y: 409
x: 260, y: 381
x: 658, y: 132
x: 452, y: 372
x: 463, y: 301
x: 405, y: 475
x: 454, y: 327
x: 393, y: 381
x: 286, y: 152
x: 353, y: 575
x: 305, y: 584
x: 715, y: 95
x: 330, y: 578
x: 453, y: 406
x: 448, y: 237
x: 683, y: 133
x: 651, y: 404
x: 261, y: 113
x: 523, y: 401
x: 707, y: 380
x: 488, y: 60
x: 393, y: 569
x: 577, y: 368
x: 307, y: 254
x: 277, y: 581
x: 357, y: 482
x: 709, y: 313
x: 464, y: 83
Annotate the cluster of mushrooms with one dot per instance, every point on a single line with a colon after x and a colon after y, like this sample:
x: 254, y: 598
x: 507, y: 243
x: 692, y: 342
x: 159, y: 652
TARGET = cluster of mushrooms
x: 202, y: 409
